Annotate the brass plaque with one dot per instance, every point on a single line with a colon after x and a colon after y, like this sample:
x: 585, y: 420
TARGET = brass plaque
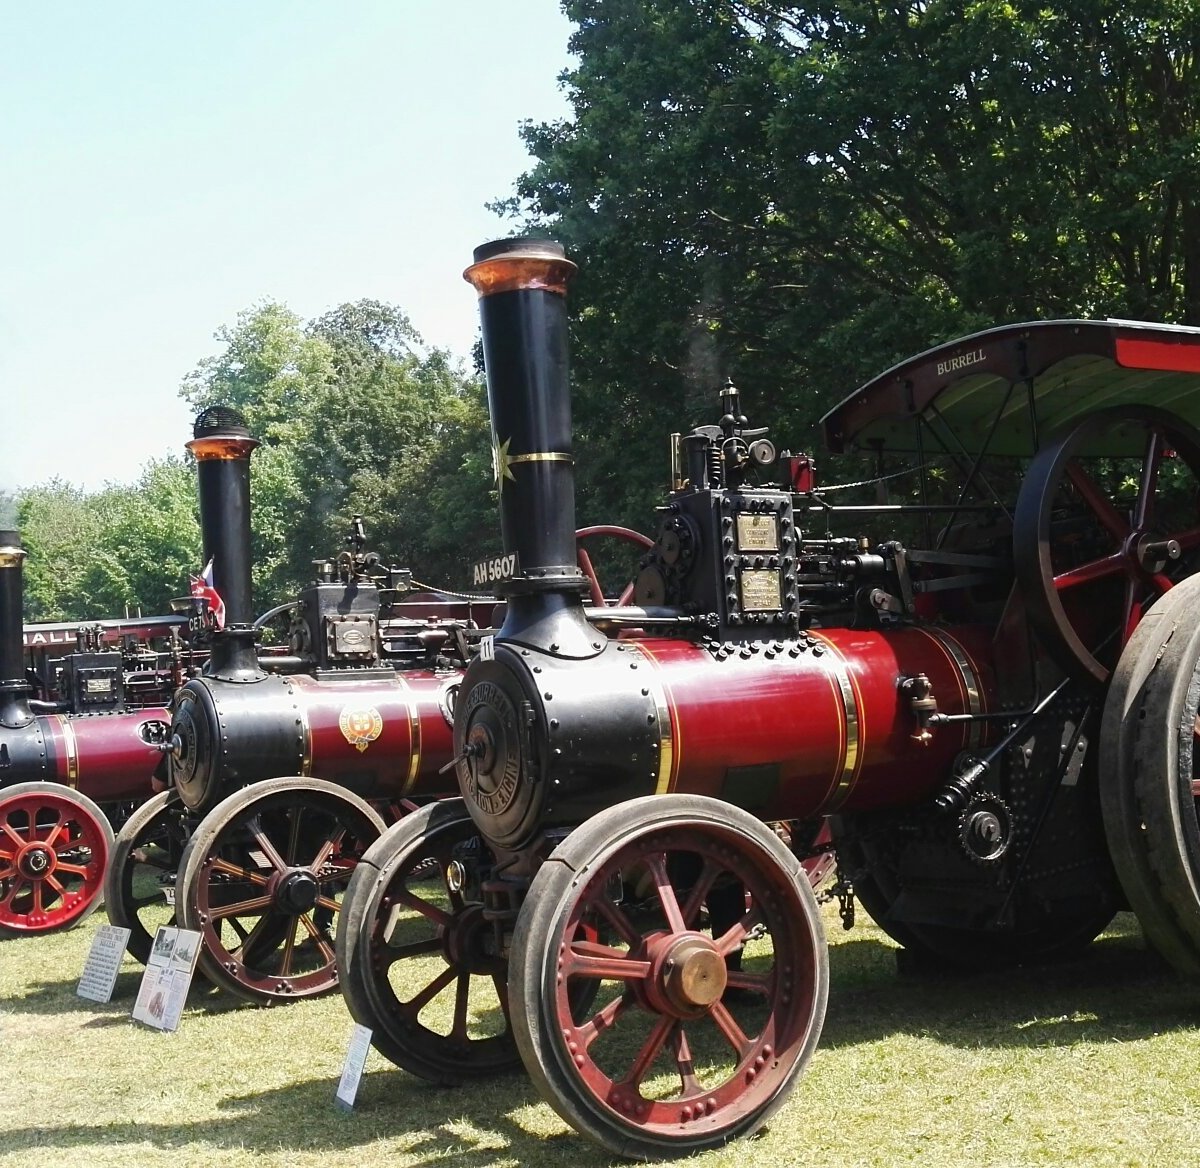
x: 760, y: 591
x: 757, y: 533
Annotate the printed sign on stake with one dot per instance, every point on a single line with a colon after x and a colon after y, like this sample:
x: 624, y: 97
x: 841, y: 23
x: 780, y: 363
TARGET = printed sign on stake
x: 103, y: 963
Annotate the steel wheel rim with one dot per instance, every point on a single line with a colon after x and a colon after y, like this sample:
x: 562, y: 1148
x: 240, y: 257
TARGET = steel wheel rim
x: 145, y: 844
x: 53, y: 854
x: 268, y: 866
x: 761, y: 1063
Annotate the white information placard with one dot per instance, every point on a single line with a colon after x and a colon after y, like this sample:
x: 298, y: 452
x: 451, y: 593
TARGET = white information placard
x: 103, y: 963
x: 352, y: 1069
x: 163, y: 992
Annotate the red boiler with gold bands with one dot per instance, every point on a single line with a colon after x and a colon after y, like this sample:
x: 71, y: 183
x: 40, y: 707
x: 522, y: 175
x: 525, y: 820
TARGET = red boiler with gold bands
x: 820, y: 723
x: 111, y: 758
x: 381, y: 734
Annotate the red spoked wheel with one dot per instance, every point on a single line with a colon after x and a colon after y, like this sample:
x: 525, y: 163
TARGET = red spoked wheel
x: 699, y: 1019
x: 417, y: 961
x: 588, y: 568
x: 54, y: 846
x: 262, y: 879
x: 1107, y: 521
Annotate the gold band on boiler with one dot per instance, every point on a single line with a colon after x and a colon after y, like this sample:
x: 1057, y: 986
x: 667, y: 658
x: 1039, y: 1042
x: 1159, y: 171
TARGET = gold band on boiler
x: 414, y: 731
x: 11, y: 557
x: 968, y: 684
x: 668, y: 746
x: 851, y: 760
x: 71, y: 746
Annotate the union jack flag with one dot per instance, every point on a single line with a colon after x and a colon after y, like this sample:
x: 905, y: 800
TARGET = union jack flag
x: 202, y: 586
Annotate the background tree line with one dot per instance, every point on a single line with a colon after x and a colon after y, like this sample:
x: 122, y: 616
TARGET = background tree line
x: 793, y: 195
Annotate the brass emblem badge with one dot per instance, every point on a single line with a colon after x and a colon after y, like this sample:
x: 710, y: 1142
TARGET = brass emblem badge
x: 360, y: 725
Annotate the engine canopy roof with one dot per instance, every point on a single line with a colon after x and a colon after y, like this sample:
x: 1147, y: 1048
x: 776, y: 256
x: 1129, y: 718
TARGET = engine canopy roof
x: 1006, y: 389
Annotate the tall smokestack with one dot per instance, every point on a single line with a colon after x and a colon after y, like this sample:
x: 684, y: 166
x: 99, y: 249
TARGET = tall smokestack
x: 222, y: 446
x: 14, y: 689
x: 522, y: 286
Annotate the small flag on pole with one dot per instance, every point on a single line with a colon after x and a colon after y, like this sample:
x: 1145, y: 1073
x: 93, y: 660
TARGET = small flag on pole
x: 202, y: 586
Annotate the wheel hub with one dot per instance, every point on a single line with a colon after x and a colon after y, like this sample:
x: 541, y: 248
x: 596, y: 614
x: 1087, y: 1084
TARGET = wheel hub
x: 298, y: 891
x: 36, y: 861
x: 463, y: 941
x: 688, y: 974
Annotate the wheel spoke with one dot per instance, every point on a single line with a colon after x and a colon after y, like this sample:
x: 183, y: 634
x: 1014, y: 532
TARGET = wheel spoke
x: 501, y: 984
x: 690, y: 1085
x: 736, y: 935
x: 391, y: 953
x: 1144, y: 507
x: 604, y: 1019
x: 73, y: 869
x: 1096, y: 570
x: 417, y: 1003
x: 289, y: 948
x: 13, y: 834
x: 295, y: 813
x: 318, y: 936
x: 327, y: 902
x: 424, y: 907
x: 753, y: 983
x: 242, y: 908
x: 265, y: 845
x: 592, y: 960
x: 462, y: 992
x: 650, y: 1050
x: 1097, y: 501
x: 728, y: 1026
x: 619, y: 921
x: 657, y: 864
x: 327, y: 850
x: 55, y: 832
x: 700, y: 890
x: 219, y: 865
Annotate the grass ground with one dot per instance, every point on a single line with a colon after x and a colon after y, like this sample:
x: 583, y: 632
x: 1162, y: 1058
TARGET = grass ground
x: 1088, y: 1063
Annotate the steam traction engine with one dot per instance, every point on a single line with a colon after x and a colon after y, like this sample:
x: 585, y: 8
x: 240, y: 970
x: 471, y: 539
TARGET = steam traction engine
x: 58, y: 761
x: 280, y: 766
x: 605, y: 902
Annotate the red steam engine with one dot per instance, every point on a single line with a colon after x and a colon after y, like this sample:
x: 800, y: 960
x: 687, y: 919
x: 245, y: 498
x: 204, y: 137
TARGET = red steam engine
x: 1002, y: 741
x: 58, y: 761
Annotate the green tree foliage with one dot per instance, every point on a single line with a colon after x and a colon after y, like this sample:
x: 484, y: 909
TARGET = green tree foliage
x: 115, y: 551
x: 355, y: 416
x: 798, y: 195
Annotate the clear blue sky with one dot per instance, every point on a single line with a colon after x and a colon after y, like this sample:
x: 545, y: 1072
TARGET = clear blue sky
x: 167, y: 165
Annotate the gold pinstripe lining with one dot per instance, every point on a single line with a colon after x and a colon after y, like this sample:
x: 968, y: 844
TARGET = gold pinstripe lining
x: 71, y: 746
x: 414, y: 730
x: 968, y: 678
x: 852, y: 722
x: 668, y: 727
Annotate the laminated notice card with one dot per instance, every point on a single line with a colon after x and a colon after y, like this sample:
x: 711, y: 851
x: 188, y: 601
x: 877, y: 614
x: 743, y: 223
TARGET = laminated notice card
x: 168, y: 976
x: 100, y: 970
x: 352, y: 1069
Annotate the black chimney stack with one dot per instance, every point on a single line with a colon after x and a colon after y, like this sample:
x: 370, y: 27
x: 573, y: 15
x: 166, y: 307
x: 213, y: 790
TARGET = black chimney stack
x: 522, y: 286
x: 222, y: 446
x: 15, y: 711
